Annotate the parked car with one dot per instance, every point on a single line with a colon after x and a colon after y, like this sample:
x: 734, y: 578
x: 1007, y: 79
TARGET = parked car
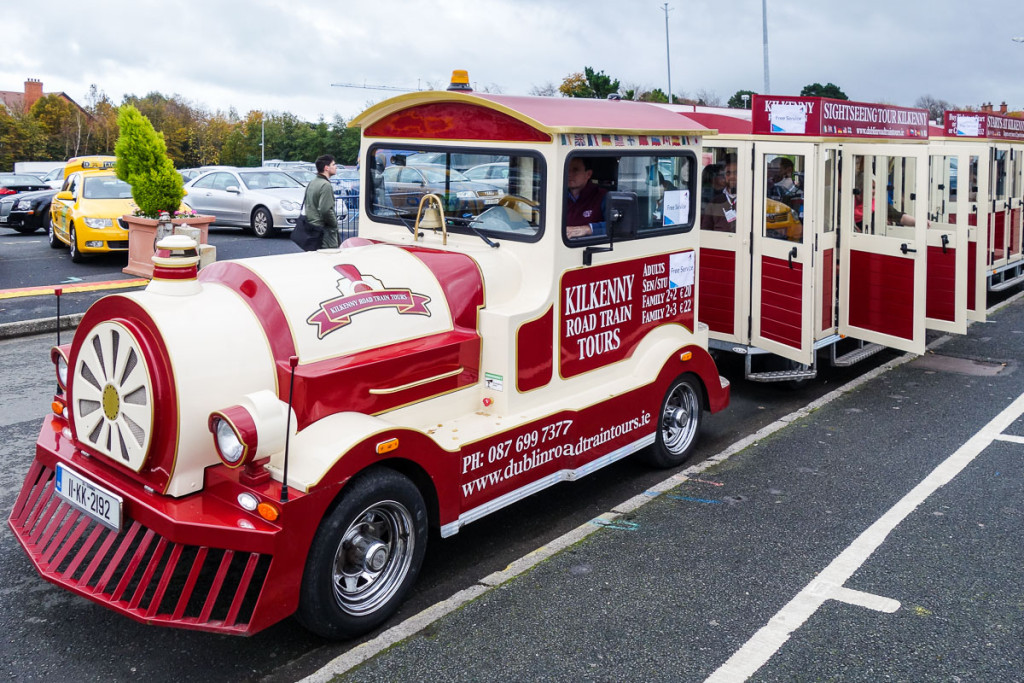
x: 54, y: 178
x: 13, y: 183
x: 406, y: 185
x: 86, y: 214
x: 493, y: 174
x: 301, y: 174
x: 261, y: 199
x: 26, y: 212
x: 188, y: 174
x: 346, y: 182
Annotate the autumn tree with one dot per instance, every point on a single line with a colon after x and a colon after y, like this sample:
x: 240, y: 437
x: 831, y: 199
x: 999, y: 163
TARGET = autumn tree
x: 63, y: 123
x: 828, y: 90
x: 590, y: 83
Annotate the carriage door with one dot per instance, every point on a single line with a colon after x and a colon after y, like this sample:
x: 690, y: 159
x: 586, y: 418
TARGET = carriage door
x: 724, y: 275
x: 1000, y: 212
x: 882, y: 244
x: 1016, y: 200
x: 974, y: 201
x: 782, y: 284
x: 946, y: 300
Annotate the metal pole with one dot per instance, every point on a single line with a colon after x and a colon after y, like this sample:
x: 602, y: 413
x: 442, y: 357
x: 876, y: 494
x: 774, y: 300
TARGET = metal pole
x: 764, y: 22
x: 668, y: 59
x: 263, y: 146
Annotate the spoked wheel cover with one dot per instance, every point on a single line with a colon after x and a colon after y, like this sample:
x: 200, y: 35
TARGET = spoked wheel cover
x: 373, y: 558
x: 680, y: 416
x: 112, y: 395
x: 261, y: 223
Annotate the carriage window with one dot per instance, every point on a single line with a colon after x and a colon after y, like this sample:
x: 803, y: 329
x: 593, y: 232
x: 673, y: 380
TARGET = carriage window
x: 662, y: 184
x: 831, y: 196
x: 784, y: 197
x: 718, y: 209
x: 943, y: 185
x: 498, y: 193
x: 883, y: 194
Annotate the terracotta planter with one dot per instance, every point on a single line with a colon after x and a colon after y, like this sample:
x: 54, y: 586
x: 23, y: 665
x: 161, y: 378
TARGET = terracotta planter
x: 142, y: 236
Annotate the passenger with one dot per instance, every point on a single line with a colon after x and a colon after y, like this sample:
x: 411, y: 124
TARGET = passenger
x: 893, y: 216
x: 712, y: 182
x: 720, y: 211
x: 783, y: 187
x: 584, y: 201
x: 319, y: 201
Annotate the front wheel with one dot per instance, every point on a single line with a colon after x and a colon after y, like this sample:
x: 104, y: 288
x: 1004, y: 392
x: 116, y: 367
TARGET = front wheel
x: 51, y: 236
x: 262, y: 222
x: 365, y: 557
x: 76, y: 253
x: 678, y: 424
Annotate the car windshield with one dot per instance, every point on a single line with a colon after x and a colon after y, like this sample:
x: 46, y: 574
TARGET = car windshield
x: 348, y: 174
x: 265, y: 180
x: 106, y: 188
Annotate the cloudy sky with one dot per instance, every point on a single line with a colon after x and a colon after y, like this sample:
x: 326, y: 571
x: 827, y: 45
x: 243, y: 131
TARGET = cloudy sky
x: 284, y: 55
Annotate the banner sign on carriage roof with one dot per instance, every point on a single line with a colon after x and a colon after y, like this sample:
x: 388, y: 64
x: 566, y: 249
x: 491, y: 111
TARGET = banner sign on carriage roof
x: 978, y: 124
x: 823, y: 117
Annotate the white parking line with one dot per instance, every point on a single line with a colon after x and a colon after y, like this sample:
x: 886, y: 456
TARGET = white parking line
x: 828, y: 585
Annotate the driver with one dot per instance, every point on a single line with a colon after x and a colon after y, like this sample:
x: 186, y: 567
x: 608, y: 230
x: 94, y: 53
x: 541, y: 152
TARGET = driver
x: 584, y: 201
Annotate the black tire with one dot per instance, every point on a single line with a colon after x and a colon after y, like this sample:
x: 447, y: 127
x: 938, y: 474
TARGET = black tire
x: 365, y: 556
x: 51, y: 236
x: 262, y: 223
x: 76, y: 253
x: 679, y: 421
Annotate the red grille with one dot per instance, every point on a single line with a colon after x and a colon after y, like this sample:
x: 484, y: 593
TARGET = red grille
x: 136, y: 571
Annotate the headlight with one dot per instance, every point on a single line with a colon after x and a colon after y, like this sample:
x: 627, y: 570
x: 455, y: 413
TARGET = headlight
x: 465, y: 194
x: 289, y: 205
x: 59, y: 356
x: 252, y: 430
x: 229, y: 446
x: 23, y: 205
x: 98, y: 222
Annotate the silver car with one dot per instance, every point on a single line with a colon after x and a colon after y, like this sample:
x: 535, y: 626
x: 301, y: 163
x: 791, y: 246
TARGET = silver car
x: 261, y: 199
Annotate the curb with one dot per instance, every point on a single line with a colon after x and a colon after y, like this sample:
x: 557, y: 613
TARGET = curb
x: 24, y: 328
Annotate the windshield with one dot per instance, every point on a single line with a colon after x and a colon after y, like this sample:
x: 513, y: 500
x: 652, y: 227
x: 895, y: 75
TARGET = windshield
x: 265, y: 180
x: 508, y: 202
x: 348, y: 174
x: 106, y: 188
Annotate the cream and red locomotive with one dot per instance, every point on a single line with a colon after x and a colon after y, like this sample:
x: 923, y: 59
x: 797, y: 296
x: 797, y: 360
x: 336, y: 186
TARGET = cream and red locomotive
x: 275, y: 436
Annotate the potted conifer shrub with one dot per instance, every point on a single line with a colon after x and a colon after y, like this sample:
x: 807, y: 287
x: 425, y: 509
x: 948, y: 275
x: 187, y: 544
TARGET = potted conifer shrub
x: 157, y: 189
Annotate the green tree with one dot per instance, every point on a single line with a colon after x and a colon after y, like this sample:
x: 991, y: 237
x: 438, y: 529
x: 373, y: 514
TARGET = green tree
x: 142, y: 162
x: 736, y: 101
x: 828, y: 90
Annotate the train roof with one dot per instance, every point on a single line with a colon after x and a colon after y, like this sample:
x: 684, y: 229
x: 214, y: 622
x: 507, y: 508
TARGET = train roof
x: 484, y: 116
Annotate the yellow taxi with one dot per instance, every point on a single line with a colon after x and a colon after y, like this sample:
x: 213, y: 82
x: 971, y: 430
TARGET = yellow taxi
x: 86, y: 212
x: 781, y: 222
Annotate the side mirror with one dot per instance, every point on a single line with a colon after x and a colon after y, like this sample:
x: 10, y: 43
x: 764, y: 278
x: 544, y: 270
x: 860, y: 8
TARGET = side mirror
x: 622, y: 215
x: 233, y: 189
x: 65, y: 196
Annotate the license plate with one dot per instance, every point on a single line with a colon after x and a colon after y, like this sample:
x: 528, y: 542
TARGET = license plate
x: 3, y: 219
x: 490, y: 201
x: 90, y: 498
